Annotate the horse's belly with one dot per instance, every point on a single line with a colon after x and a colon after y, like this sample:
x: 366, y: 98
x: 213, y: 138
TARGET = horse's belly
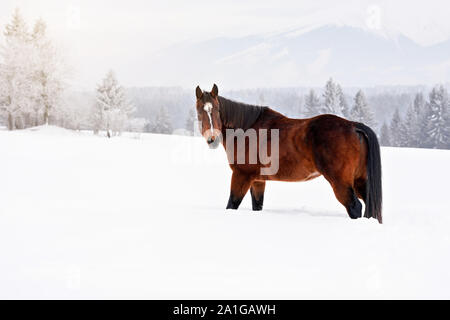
x: 311, y: 176
x: 299, y: 175
x: 295, y: 171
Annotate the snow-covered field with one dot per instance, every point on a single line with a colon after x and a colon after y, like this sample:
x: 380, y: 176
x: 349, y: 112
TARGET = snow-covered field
x: 88, y: 217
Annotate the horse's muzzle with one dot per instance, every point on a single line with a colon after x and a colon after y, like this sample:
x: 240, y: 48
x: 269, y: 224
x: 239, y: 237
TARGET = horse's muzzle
x: 213, y: 142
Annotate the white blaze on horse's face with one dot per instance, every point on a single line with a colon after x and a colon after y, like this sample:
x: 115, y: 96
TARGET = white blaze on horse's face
x: 208, y: 107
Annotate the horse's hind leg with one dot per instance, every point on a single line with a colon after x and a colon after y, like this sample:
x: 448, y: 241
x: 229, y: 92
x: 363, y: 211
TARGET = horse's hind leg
x: 360, y: 188
x: 361, y: 191
x: 346, y: 195
x: 257, y: 192
x: 239, y: 186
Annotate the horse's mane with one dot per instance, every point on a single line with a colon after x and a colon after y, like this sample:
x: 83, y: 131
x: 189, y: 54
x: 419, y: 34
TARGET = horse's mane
x: 238, y: 115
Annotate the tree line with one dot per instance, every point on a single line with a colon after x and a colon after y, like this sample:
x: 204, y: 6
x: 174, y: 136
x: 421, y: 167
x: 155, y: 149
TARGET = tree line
x: 425, y: 125
x: 334, y: 102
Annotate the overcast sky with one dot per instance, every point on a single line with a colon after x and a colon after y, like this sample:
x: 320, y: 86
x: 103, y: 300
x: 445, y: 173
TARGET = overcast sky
x: 113, y: 32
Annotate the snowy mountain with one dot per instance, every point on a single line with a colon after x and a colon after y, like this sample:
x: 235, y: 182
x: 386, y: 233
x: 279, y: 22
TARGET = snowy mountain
x: 304, y: 57
x: 84, y: 216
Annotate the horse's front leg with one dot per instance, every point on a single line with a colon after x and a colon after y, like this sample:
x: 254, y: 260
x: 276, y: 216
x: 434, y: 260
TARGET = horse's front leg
x: 240, y: 183
x: 257, y: 192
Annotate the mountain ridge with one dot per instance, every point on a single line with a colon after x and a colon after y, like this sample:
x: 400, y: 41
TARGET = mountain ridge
x: 353, y: 56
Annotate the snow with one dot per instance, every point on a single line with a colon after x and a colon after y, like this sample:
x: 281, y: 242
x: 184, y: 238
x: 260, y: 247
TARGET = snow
x: 83, y: 216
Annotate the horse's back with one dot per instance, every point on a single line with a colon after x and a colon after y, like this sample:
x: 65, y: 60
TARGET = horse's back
x: 330, y: 131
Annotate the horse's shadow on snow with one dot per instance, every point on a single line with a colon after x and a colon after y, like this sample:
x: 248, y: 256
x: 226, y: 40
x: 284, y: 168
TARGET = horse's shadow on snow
x: 304, y: 211
x: 296, y: 211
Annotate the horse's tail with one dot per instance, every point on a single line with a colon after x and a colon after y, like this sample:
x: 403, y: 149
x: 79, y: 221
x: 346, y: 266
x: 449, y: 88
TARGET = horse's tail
x: 373, y: 186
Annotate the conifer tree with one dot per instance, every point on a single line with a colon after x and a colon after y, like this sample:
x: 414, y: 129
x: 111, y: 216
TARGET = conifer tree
x: 312, y: 104
x: 343, y: 106
x: 361, y: 111
x: 330, y: 98
x: 112, y: 108
x: 399, y: 136
x: 190, y: 121
x: 437, y: 129
x: 385, y: 139
x: 416, y: 121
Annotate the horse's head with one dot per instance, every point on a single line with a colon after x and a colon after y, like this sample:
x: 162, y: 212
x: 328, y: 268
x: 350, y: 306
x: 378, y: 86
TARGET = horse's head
x: 208, y: 115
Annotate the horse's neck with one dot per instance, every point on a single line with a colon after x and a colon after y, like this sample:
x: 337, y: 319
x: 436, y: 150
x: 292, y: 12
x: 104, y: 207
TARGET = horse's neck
x: 237, y: 115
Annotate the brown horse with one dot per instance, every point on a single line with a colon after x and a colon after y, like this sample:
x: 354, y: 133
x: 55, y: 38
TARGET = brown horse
x: 346, y: 153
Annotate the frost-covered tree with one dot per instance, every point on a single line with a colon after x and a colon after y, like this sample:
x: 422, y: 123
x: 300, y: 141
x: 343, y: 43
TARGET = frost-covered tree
x: 410, y: 126
x: 342, y: 102
x: 399, y: 134
x: 419, y: 103
x: 31, y: 73
x: 312, y: 104
x: 163, y: 122
x: 112, y: 107
x: 190, y: 121
x: 49, y: 72
x: 416, y: 121
x: 330, y: 98
x: 17, y: 28
x: 437, y: 129
x: 16, y: 89
x: 385, y: 139
x: 361, y: 111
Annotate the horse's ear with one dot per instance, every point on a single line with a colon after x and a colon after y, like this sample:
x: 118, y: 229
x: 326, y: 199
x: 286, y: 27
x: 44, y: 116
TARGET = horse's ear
x: 198, y: 92
x: 215, y: 91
